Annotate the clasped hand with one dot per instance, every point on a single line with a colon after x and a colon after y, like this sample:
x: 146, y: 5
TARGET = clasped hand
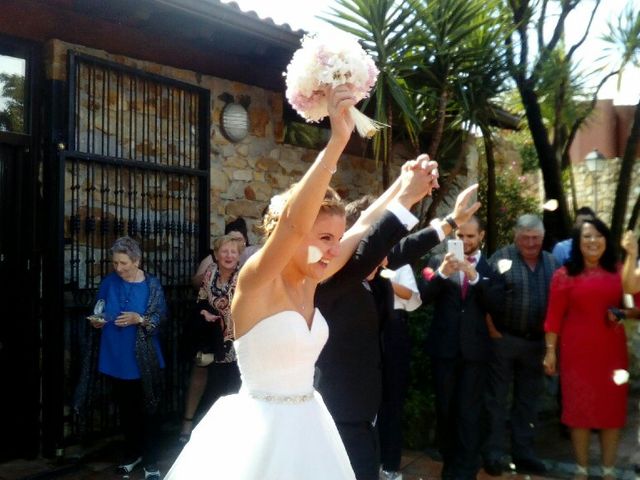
x: 127, y: 318
x: 209, y: 317
x: 419, y: 177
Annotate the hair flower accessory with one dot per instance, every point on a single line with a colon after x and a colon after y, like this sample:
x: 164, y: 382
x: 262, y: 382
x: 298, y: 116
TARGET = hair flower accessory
x: 328, y: 61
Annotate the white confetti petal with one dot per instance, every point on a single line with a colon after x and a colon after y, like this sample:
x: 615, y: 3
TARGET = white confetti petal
x: 550, y: 205
x: 387, y: 273
x: 313, y: 254
x: 504, y: 265
x: 620, y: 377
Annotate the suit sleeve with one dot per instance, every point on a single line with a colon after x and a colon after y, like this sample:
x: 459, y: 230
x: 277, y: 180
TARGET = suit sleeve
x: 490, y: 290
x: 558, y: 301
x: 371, y: 250
x: 411, y: 248
x: 430, y: 283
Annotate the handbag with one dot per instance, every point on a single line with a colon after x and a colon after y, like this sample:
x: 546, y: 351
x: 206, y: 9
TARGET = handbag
x: 209, y: 341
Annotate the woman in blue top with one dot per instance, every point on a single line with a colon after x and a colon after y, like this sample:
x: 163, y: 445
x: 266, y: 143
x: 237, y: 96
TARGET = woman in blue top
x: 134, y: 306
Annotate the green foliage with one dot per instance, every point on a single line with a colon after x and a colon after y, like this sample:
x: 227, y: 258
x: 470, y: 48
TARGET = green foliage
x: 12, y: 102
x: 419, y: 407
x: 513, y: 200
x: 381, y: 27
x: 529, y: 157
x: 524, y: 144
x: 305, y: 135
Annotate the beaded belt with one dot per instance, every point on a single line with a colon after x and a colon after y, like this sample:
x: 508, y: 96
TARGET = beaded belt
x: 268, y: 397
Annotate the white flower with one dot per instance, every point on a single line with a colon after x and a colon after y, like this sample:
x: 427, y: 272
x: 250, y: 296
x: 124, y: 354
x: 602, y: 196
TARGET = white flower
x: 387, y: 273
x: 327, y: 60
x: 620, y: 377
x: 504, y: 265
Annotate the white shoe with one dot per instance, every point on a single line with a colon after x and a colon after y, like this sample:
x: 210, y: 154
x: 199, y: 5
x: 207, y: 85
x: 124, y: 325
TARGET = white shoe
x: 387, y: 475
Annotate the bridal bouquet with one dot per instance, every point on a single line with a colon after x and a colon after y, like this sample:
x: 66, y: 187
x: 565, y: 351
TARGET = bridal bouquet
x: 328, y: 61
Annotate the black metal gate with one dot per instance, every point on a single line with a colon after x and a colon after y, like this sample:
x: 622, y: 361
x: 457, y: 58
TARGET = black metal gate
x: 137, y: 164
x: 19, y: 253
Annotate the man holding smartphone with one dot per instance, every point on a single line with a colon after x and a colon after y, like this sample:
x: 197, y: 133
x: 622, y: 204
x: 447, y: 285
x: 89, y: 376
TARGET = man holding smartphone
x: 462, y: 287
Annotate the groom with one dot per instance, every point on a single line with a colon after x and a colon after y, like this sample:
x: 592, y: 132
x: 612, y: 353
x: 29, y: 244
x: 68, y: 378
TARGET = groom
x: 349, y: 368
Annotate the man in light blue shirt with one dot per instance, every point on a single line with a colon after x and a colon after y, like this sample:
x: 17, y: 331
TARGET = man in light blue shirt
x: 562, y: 249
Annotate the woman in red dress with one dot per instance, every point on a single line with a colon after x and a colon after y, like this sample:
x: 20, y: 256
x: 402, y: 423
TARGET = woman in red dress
x: 592, y: 349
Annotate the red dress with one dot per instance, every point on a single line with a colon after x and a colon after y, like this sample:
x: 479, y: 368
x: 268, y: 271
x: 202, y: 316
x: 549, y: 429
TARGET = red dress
x: 591, y: 347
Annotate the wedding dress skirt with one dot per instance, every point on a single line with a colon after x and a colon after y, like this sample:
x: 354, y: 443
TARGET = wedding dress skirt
x: 277, y: 427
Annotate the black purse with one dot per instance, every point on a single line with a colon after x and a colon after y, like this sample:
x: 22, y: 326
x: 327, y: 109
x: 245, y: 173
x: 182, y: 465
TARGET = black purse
x: 208, y: 336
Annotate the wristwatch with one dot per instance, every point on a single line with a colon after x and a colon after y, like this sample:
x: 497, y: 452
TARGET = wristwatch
x: 452, y: 223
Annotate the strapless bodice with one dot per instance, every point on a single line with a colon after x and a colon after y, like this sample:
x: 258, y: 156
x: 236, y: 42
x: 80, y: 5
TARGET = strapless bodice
x: 278, y: 355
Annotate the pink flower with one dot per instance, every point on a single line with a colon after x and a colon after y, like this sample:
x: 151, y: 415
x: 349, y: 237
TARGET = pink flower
x: 323, y: 61
x: 428, y: 274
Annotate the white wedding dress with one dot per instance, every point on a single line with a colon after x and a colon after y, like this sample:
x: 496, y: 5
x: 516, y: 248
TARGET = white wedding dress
x: 277, y: 427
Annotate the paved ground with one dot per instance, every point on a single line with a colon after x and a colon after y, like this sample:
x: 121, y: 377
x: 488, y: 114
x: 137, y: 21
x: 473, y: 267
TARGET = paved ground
x: 553, y: 447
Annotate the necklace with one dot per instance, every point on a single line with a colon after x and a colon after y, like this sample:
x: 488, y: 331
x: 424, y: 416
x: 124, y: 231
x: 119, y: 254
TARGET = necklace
x: 300, y: 303
x: 125, y: 295
x: 127, y: 290
x: 224, y: 288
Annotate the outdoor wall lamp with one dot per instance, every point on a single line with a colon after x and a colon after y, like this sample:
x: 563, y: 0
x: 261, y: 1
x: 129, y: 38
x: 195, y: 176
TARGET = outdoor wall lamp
x: 593, y: 161
x: 234, y: 120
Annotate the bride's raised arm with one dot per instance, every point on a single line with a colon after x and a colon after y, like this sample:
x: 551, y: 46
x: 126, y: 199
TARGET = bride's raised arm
x: 630, y: 269
x: 303, y: 204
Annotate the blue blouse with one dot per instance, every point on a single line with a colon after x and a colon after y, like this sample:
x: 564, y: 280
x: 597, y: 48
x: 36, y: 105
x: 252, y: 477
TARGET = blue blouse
x: 117, y: 356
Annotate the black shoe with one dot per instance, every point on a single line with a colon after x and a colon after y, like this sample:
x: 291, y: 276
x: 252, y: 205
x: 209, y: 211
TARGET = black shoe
x: 126, y: 468
x: 493, y: 468
x: 529, y: 465
x: 151, y: 472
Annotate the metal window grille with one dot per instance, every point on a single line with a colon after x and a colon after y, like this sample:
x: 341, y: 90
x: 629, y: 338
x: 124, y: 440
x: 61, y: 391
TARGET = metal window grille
x: 137, y: 164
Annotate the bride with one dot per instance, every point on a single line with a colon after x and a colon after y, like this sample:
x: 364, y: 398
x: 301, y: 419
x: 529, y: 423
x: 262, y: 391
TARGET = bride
x: 277, y: 427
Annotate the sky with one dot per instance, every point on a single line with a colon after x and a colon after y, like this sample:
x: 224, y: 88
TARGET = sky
x: 301, y: 14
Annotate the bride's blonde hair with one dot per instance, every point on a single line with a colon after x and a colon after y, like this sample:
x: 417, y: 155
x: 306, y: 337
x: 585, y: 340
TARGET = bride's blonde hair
x: 331, y: 204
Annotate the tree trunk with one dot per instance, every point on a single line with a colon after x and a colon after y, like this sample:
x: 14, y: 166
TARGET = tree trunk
x: 557, y: 223
x: 388, y: 158
x: 624, y: 179
x: 432, y: 151
x: 492, y: 234
x: 442, y: 192
x: 633, y: 219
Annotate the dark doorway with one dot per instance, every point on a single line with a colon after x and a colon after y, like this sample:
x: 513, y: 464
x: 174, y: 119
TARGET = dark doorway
x: 19, y: 261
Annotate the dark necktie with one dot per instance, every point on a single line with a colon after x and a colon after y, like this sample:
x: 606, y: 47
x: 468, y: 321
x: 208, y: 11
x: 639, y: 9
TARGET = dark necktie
x: 465, y: 279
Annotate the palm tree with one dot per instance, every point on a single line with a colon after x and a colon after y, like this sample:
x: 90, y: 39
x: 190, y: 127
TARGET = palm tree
x: 381, y: 26
x: 486, y: 82
x: 625, y: 37
x: 526, y: 64
x: 457, y: 72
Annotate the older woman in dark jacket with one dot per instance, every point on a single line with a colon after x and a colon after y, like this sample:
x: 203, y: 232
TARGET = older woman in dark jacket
x: 130, y: 355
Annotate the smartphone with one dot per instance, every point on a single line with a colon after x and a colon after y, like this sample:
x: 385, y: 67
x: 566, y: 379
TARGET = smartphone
x: 455, y: 246
x: 617, y: 313
x: 96, y: 318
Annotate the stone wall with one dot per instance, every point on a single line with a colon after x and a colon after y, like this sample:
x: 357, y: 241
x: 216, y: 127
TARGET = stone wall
x: 600, y: 186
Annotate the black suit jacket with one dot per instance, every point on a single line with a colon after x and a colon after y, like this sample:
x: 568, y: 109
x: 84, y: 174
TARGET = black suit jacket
x: 350, y: 375
x: 459, y: 327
